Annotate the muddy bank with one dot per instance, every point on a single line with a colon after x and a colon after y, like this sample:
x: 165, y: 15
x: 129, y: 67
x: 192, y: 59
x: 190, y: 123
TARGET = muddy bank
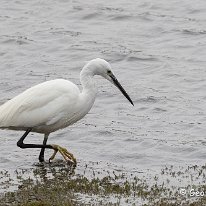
x: 61, y: 184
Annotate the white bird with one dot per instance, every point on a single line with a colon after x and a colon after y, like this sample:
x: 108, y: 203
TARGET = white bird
x: 53, y: 105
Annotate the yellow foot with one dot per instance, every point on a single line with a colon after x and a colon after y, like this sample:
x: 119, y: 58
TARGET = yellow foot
x: 69, y: 157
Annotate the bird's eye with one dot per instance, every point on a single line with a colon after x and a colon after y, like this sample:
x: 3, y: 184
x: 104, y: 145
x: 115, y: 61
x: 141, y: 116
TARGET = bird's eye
x: 109, y: 72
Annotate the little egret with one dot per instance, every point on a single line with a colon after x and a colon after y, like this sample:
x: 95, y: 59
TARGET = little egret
x: 53, y: 105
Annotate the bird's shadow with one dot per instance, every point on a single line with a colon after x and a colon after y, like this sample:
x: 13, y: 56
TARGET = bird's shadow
x: 56, y: 169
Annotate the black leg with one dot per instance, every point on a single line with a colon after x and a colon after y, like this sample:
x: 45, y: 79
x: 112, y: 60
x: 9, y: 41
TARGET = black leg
x: 21, y: 144
x: 41, y: 155
x: 67, y: 155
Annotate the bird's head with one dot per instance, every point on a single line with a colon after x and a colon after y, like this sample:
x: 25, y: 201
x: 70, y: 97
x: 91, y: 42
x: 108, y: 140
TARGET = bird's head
x: 103, y: 68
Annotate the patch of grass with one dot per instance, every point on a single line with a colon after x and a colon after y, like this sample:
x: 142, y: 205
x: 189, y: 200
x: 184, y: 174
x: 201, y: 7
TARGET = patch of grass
x: 63, y: 187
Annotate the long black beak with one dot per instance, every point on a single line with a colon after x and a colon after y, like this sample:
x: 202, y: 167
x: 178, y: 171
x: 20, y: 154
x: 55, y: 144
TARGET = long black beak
x: 119, y: 86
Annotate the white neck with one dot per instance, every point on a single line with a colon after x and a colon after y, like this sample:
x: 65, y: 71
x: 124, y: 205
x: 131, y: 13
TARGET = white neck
x: 87, y: 81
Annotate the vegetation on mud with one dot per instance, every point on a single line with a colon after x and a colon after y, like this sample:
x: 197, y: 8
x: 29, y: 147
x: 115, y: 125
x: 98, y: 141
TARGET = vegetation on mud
x: 45, y: 186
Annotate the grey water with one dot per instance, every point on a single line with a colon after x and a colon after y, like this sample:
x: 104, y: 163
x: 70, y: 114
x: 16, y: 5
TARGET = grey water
x: 157, y: 50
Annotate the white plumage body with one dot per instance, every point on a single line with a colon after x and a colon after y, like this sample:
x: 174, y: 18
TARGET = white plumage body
x: 46, y: 107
